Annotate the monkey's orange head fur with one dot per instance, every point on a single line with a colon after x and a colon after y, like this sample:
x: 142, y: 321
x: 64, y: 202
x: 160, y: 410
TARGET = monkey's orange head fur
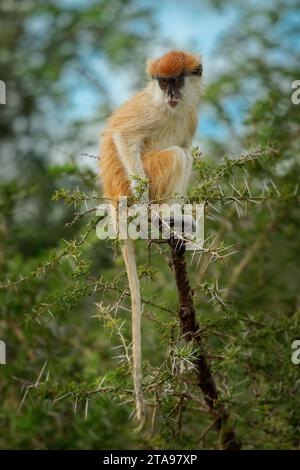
x: 175, y: 63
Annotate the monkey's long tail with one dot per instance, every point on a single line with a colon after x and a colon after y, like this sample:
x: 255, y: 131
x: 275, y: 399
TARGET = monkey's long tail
x: 134, y: 285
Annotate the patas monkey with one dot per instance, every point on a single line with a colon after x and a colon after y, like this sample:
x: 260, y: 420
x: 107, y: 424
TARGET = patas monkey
x: 150, y: 137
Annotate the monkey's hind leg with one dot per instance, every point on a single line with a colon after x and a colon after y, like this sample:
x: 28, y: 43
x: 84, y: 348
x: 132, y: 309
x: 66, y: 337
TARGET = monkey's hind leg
x: 168, y: 171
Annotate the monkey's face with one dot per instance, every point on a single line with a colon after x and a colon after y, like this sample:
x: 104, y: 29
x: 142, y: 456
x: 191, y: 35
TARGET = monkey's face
x: 172, y: 87
x: 178, y: 88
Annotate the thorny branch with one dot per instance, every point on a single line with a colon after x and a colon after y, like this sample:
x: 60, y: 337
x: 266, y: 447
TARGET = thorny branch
x: 209, y: 192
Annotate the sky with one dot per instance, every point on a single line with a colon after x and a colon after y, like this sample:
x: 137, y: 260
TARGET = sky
x: 186, y: 25
x: 190, y: 25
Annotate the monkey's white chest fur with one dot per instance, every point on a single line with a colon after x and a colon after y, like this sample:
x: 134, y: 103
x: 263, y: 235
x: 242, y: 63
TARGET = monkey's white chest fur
x: 171, y: 129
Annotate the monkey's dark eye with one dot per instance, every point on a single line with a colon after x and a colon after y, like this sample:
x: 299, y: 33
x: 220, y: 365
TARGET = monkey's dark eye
x: 163, y: 84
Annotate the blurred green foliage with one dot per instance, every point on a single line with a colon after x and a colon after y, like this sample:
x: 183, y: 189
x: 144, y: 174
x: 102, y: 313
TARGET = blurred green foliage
x: 64, y: 306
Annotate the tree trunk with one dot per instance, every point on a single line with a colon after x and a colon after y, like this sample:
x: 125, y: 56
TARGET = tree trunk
x: 190, y: 332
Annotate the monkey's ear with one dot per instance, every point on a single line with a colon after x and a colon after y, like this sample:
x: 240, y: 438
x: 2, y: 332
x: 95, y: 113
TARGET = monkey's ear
x: 193, y: 64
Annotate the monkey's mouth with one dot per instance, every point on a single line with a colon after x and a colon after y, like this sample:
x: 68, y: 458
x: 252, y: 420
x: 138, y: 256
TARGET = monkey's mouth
x: 173, y: 103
